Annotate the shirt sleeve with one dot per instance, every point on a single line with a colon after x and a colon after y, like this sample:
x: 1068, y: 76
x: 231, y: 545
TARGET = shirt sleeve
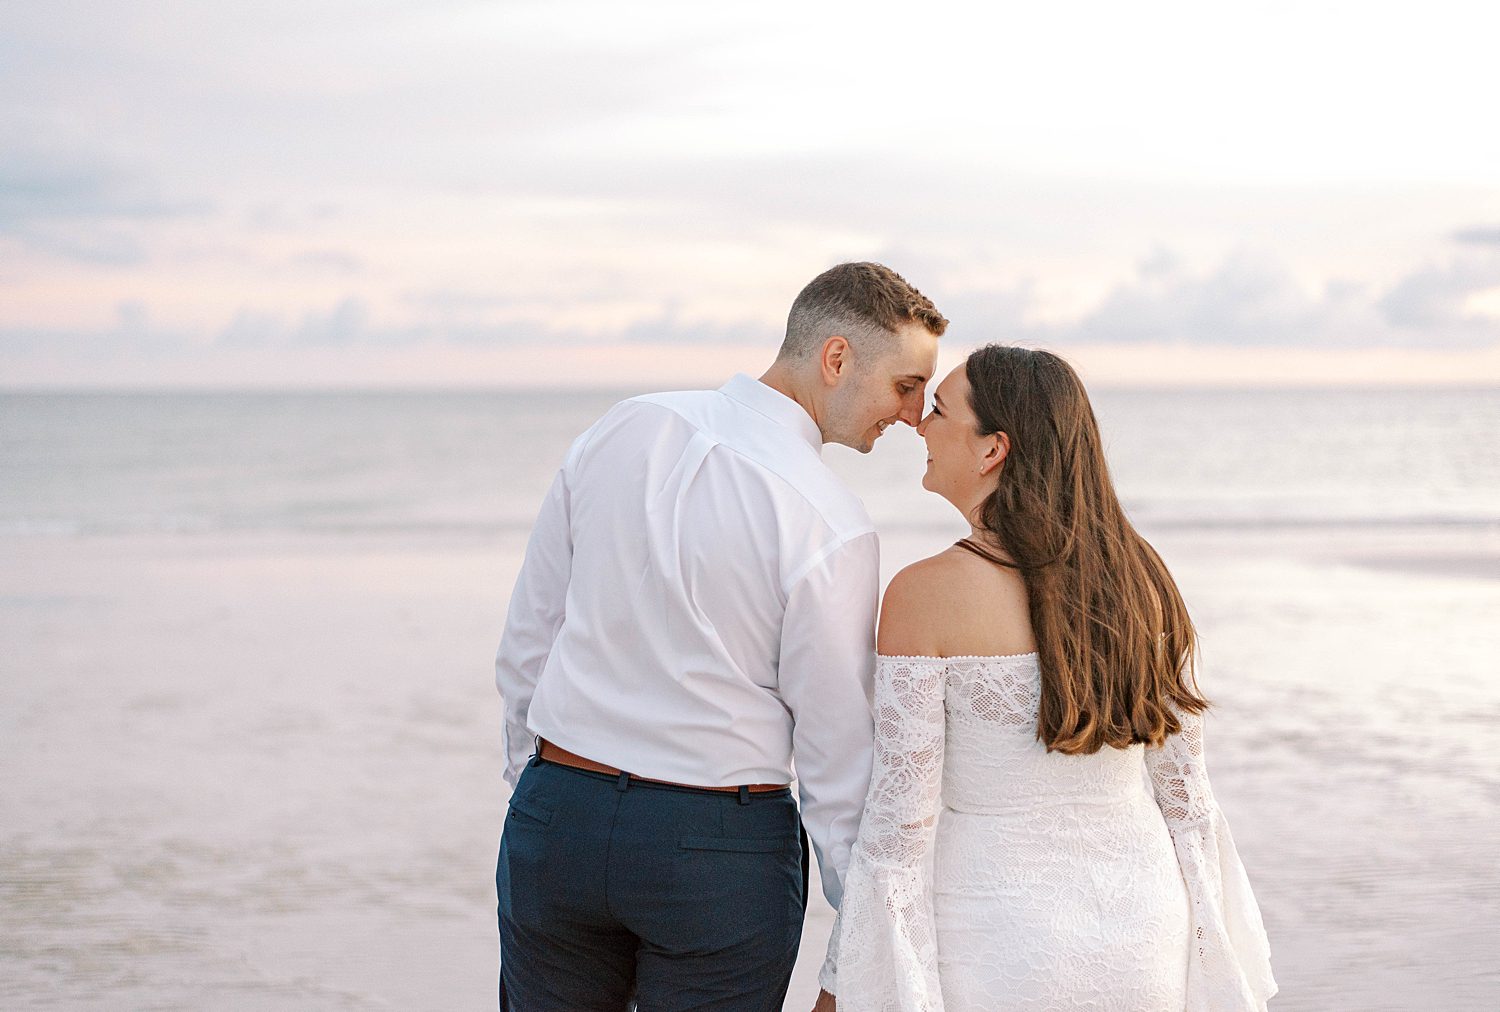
x: 883, y: 950
x: 532, y: 623
x: 1230, y: 962
x: 826, y: 671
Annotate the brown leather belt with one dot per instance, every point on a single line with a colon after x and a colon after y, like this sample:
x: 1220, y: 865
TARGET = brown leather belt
x: 557, y: 754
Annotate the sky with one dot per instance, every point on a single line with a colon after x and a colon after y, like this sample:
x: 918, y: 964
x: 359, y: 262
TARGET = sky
x: 393, y: 193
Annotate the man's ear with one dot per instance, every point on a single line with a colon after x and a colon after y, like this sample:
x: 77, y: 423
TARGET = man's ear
x: 835, y: 359
x: 996, y: 453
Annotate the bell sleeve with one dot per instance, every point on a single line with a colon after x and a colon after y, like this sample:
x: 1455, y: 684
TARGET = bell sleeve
x: 883, y: 951
x: 1229, y: 965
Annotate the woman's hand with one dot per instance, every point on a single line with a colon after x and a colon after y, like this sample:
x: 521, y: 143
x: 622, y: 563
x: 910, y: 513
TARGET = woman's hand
x: 825, y: 1003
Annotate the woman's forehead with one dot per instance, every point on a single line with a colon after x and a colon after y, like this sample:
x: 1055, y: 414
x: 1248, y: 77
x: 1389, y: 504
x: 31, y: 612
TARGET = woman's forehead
x: 955, y: 381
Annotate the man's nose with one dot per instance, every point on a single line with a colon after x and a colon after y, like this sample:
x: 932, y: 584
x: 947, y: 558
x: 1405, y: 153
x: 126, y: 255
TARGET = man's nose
x: 911, y: 411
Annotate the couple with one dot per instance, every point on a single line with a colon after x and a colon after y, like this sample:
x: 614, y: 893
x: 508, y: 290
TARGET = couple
x: 697, y: 609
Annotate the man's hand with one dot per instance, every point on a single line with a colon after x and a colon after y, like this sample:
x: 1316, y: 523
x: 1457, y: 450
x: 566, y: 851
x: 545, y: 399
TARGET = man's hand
x: 825, y: 1003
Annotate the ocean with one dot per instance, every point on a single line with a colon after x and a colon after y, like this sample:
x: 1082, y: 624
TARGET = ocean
x: 473, y: 462
x: 249, y: 740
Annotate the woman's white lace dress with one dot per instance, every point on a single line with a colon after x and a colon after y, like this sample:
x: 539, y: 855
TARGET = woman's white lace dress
x: 1105, y: 881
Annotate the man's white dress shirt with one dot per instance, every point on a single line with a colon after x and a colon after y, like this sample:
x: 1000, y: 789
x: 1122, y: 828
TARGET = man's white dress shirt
x: 698, y: 605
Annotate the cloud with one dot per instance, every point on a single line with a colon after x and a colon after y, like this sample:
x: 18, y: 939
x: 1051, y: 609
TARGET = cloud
x: 331, y: 261
x: 79, y: 207
x: 1248, y: 301
x: 287, y: 216
x: 132, y: 335
x: 250, y: 328
x: 46, y: 186
x: 1434, y: 300
x: 454, y: 303
x: 1245, y: 300
x: 670, y: 326
x: 405, y: 94
x: 350, y: 322
x: 344, y: 324
x: 1482, y: 236
x: 89, y: 245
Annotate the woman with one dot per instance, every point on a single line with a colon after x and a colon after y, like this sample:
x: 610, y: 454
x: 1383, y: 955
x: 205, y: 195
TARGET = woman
x: 1026, y: 675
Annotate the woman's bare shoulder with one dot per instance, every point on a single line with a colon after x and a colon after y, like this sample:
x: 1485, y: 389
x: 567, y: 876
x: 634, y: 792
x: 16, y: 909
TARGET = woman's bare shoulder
x: 955, y: 604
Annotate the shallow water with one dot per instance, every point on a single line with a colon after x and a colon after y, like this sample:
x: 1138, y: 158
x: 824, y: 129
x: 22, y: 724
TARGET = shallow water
x: 249, y: 745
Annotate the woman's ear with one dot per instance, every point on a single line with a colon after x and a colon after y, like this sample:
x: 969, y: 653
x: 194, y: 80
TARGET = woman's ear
x: 995, y: 453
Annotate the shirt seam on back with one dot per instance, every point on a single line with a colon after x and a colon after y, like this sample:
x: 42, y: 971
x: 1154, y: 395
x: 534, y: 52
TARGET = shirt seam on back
x: 812, y: 504
x: 818, y: 558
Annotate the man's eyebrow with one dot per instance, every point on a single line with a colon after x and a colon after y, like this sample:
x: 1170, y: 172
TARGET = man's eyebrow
x: 915, y: 376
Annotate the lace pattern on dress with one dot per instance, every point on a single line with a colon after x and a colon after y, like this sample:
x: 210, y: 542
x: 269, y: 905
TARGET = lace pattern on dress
x: 890, y: 960
x: 1230, y: 962
x: 1022, y: 864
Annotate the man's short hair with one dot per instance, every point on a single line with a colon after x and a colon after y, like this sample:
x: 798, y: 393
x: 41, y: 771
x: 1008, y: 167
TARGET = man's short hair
x: 863, y: 302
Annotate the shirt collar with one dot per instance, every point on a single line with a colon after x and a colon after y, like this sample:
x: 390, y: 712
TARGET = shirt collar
x: 775, y: 405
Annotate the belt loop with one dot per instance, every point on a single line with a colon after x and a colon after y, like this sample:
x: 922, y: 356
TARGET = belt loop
x: 624, y: 781
x: 744, y: 794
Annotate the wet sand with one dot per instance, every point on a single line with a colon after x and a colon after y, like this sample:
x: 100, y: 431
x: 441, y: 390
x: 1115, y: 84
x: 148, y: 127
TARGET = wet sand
x: 263, y: 772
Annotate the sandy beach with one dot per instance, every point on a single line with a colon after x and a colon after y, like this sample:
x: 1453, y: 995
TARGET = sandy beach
x: 263, y: 773
x: 249, y: 775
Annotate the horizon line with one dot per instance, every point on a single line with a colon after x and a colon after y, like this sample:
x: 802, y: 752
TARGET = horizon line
x: 1455, y: 384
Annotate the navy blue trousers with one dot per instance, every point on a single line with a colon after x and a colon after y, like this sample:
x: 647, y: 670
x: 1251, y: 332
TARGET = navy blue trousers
x: 674, y: 897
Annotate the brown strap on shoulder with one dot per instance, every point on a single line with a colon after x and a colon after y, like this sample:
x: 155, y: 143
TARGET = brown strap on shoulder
x: 984, y: 553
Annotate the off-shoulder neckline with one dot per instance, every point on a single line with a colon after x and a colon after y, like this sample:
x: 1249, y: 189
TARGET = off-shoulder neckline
x: 957, y: 657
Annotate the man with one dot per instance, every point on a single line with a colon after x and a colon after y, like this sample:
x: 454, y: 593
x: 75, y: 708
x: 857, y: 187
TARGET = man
x: 697, y: 607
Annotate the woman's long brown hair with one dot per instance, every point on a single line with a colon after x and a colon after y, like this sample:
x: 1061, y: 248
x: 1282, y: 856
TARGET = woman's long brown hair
x: 1116, y: 645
